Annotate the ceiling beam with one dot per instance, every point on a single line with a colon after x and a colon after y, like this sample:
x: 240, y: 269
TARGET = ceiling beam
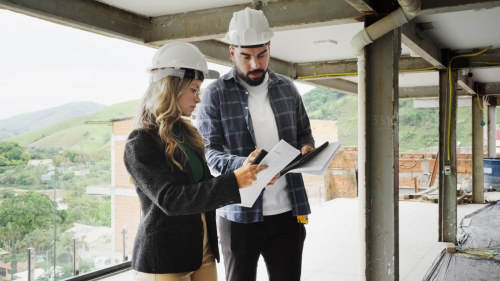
x: 421, y: 45
x: 464, y: 89
x: 336, y: 69
x: 491, y: 88
x: 326, y: 69
x: 413, y: 64
x: 349, y: 68
x: 88, y: 15
x: 293, y: 14
x: 215, y: 51
x: 361, y: 6
x: 335, y: 85
x: 282, y: 15
x: 466, y: 84
x: 419, y: 92
x: 435, y: 7
x: 486, y: 59
x: 424, y: 92
x: 351, y: 88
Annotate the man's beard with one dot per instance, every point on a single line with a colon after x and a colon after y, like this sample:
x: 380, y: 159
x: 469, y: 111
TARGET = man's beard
x: 250, y: 81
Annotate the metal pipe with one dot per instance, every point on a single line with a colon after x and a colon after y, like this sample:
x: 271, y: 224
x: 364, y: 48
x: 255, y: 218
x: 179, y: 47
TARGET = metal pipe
x: 492, y: 146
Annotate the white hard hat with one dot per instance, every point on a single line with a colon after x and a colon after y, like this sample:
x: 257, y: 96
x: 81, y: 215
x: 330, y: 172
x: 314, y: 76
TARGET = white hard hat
x: 249, y: 27
x: 180, y: 59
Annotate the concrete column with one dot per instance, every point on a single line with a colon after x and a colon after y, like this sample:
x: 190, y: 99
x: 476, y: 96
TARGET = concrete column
x: 447, y: 158
x: 492, y: 131
x: 477, y: 151
x: 378, y: 158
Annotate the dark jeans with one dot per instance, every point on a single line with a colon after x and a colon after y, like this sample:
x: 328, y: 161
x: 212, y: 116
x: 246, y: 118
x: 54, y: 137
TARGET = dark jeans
x: 279, y: 239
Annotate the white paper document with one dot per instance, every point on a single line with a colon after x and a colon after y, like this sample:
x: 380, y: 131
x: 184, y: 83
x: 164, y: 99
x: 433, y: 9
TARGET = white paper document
x: 320, y: 162
x: 276, y: 159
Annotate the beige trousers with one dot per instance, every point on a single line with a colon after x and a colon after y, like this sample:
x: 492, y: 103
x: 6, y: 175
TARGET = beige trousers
x: 207, y: 271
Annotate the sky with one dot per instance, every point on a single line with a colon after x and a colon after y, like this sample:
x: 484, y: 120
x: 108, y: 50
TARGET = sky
x: 43, y: 65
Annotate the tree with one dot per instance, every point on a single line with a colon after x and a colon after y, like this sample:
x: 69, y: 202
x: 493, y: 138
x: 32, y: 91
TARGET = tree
x: 20, y: 216
x: 12, y: 154
x: 85, y: 209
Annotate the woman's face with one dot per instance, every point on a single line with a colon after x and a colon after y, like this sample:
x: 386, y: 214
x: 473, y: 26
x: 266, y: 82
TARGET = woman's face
x: 188, y: 99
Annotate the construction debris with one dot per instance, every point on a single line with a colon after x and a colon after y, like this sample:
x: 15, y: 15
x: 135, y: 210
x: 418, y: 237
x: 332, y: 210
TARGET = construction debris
x: 431, y: 195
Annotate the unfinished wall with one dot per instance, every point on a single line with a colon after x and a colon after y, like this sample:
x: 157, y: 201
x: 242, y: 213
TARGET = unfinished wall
x: 416, y: 173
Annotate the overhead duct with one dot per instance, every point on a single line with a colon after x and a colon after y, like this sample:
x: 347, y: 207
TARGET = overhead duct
x: 407, y: 11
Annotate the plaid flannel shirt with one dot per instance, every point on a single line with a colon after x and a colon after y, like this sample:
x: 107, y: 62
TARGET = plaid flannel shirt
x: 224, y: 121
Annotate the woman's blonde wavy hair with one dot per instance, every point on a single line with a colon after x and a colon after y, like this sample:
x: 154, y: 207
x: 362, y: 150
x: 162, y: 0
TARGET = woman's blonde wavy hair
x: 159, y: 113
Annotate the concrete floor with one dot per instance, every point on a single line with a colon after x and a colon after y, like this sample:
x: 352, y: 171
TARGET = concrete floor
x: 332, y: 245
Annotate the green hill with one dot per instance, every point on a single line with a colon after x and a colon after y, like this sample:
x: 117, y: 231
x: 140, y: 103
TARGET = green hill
x: 87, y: 134
x: 27, y: 122
x: 327, y: 105
x: 418, y: 127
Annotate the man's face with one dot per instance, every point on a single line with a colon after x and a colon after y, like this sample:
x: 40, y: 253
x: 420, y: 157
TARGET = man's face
x: 251, y: 63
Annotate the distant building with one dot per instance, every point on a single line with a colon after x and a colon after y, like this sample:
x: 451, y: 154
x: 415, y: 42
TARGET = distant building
x: 48, y: 176
x: 36, y: 162
x: 94, y: 243
x: 5, y: 268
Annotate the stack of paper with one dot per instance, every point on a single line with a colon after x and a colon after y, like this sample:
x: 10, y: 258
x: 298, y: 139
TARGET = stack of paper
x: 277, y: 160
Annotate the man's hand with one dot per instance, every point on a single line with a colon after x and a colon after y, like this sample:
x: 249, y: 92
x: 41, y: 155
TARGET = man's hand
x: 273, y: 180
x: 306, y: 149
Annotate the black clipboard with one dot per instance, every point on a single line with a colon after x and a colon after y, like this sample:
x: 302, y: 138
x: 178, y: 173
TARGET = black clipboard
x: 299, y: 160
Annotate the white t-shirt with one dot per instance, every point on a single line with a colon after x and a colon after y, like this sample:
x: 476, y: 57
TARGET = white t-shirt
x: 276, y: 200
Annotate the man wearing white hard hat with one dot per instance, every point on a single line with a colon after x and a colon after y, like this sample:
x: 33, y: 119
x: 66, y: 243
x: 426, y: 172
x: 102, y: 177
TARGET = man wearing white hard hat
x: 164, y: 155
x: 252, y: 107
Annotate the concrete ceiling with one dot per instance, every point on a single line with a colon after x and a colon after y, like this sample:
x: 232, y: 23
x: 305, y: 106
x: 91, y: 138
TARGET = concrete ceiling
x: 312, y: 37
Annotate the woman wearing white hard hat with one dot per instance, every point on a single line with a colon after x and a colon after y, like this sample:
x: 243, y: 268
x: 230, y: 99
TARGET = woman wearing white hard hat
x: 164, y: 154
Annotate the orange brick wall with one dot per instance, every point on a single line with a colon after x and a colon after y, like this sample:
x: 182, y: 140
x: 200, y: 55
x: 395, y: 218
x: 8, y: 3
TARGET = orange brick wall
x: 122, y: 177
x: 340, y: 177
x: 121, y: 129
x: 340, y: 186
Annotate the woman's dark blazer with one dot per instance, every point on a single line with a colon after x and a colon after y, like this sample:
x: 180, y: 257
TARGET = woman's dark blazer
x: 170, y: 235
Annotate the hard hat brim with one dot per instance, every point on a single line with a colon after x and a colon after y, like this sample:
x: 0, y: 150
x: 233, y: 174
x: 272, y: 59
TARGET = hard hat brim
x: 158, y: 74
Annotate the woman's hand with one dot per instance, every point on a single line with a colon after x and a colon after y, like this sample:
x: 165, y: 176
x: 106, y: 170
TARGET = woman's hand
x: 245, y: 175
x: 251, y: 157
